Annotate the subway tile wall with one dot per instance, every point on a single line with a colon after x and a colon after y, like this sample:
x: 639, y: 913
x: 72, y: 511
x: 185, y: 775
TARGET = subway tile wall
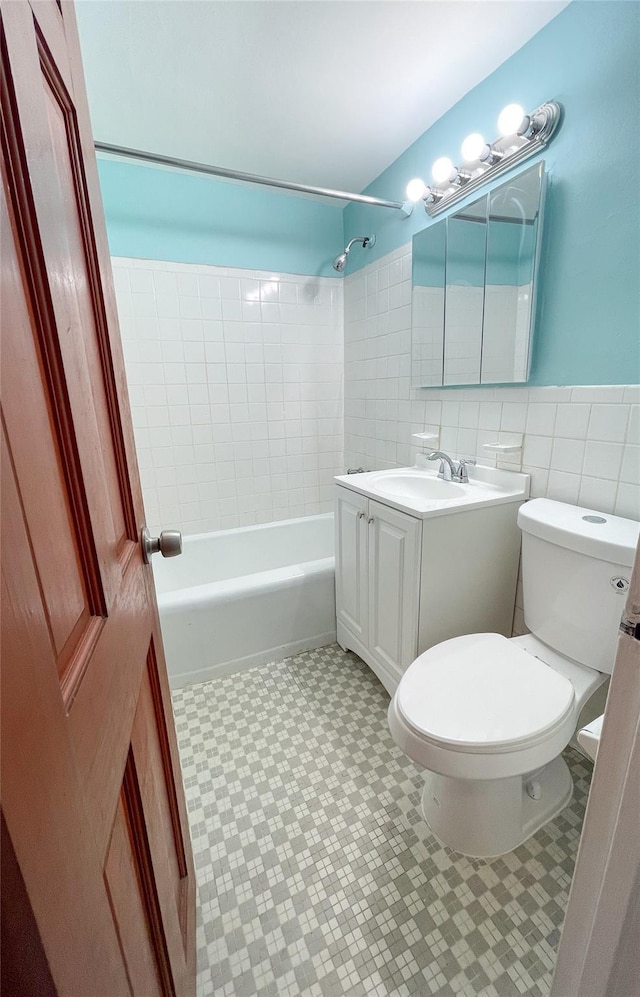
x: 581, y: 444
x: 236, y: 386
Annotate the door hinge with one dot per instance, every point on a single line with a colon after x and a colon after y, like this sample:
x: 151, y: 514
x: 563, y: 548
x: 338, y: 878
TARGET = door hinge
x: 630, y: 625
x: 631, y: 628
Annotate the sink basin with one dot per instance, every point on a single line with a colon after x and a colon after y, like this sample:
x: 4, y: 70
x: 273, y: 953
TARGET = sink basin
x: 418, y: 490
x: 417, y: 486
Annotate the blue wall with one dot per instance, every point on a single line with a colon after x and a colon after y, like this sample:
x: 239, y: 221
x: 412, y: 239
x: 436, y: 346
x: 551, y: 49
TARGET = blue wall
x: 161, y: 214
x: 588, y: 320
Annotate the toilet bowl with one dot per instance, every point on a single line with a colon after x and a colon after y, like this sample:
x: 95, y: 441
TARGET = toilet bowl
x: 488, y: 716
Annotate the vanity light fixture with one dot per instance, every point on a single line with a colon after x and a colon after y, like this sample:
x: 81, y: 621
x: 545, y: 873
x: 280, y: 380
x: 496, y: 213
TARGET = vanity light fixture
x: 521, y: 136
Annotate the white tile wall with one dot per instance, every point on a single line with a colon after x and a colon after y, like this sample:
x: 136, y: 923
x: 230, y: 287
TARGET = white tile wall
x: 236, y: 386
x: 581, y: 444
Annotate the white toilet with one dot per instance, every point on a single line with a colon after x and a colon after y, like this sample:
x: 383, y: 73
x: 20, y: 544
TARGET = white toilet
x: 488, y: 716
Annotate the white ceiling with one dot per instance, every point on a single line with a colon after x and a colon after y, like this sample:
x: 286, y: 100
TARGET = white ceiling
x: 325, y: 92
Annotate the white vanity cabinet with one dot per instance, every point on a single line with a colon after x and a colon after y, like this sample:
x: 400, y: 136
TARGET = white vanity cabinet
x: 378, y: 553
x: 405, y: 583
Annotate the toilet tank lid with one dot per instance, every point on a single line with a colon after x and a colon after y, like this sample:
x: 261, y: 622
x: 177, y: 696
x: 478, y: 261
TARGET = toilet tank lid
x: 600, y: 535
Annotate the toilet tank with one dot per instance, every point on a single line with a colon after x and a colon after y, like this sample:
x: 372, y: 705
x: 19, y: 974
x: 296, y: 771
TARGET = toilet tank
x: 576, y: 567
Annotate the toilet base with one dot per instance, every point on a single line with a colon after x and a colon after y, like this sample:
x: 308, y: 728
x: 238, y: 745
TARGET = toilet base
x: 484, y: 818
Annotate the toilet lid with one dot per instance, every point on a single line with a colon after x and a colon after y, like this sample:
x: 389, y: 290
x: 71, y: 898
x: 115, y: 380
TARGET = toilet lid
x: 482, y: 692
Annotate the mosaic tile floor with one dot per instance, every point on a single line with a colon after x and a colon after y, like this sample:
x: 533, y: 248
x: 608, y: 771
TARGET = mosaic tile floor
x: 317, y: 875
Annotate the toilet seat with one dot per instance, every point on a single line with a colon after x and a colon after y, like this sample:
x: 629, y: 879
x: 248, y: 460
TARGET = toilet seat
x: 482, y: 707
x: 483, y: 693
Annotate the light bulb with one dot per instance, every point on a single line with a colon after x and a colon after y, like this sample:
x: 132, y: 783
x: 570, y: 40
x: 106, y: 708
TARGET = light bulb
x: 511, y: 117
x: 442, y: 169
x: 474, y: 147
x: 416, y: 189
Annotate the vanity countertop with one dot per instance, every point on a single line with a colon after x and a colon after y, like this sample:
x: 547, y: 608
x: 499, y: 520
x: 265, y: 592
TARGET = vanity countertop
x: 419, y: 491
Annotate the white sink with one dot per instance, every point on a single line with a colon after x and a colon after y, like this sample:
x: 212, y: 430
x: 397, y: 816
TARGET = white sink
x: 399, y: 484
x: 420, y: 492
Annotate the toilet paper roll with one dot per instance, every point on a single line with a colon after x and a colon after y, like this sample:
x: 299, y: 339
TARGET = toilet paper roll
x: 589, y: 737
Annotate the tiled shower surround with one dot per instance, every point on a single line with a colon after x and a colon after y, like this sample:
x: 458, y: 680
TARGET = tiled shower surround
x: 236, y: 386
x: 581, y: 444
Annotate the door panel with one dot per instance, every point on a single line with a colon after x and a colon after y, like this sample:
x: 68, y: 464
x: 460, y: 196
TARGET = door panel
x: 92, y: 794
x: 42, y: 800
x: 351, y: 562
x: 394, y: 586
x: 124, y: 886
x: 53, y: 507
x: 102, y: 748
x: 75, y: 292
x: 151, y: 759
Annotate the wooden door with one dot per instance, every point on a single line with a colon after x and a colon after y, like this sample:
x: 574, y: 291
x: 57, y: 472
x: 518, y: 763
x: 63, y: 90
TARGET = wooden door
x: 351, y: 563
x: 394, y: 587
x: 98, y: 884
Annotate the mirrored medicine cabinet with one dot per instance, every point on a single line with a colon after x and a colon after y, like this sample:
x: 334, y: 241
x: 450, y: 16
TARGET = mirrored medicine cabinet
x: 474, y: 278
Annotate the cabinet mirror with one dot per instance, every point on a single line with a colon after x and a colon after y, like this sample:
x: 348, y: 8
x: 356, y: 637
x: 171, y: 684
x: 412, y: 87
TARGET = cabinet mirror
x: 473, y: 288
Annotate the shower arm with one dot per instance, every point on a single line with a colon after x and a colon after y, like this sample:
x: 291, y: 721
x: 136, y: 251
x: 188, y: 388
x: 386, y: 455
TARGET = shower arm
x: 366, y: 240
x: 405, y: 207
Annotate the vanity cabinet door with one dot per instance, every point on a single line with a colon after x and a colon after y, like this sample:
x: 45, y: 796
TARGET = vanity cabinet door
x: 351, y: 562
x: 394, y: 586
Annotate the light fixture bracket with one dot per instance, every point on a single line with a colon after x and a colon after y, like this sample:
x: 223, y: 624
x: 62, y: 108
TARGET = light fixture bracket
x: 547, y: 117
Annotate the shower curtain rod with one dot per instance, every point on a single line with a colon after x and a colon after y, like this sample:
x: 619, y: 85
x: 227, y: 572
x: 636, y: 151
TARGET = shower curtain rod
x: 218, y: 171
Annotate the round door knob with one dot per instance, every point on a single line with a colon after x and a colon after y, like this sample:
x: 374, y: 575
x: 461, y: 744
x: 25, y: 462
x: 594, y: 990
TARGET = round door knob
x: 169, y: 543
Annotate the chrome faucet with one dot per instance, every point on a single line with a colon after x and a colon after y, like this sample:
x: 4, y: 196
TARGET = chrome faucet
x: 451, y: 470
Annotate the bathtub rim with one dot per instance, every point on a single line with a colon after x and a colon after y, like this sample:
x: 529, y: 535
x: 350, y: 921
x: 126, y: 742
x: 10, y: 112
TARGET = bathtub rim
x: 161, y: 571
x: 257, y: 526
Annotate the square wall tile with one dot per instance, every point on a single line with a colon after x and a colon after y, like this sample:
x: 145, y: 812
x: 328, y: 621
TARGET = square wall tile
x: 602, y: 460
x: 608, y: 423
x: 597, y: 493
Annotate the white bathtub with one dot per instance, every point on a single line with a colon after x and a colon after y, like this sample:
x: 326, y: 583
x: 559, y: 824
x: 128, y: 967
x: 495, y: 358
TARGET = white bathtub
x: 244, y: 597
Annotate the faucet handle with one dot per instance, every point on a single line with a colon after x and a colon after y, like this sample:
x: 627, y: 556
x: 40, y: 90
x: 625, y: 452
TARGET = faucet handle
x: 462, y: 468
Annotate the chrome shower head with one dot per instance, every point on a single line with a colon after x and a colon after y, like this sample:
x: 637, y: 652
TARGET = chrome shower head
x: 340, y: 261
